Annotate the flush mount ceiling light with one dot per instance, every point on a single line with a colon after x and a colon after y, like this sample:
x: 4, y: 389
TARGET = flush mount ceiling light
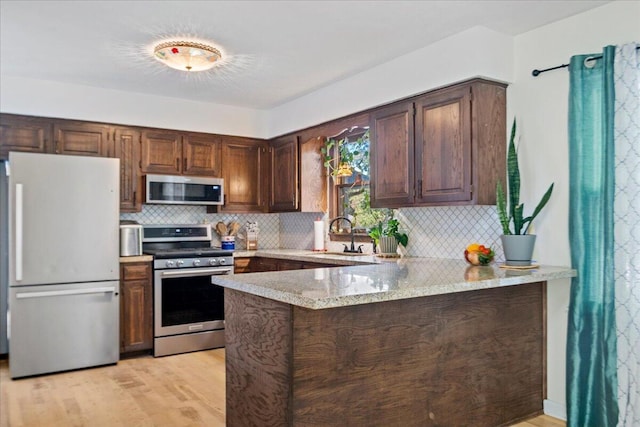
x: 187, y: 56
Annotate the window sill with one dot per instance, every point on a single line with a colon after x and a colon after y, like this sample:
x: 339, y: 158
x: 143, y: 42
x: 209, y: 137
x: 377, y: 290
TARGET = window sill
x: 346, y: 237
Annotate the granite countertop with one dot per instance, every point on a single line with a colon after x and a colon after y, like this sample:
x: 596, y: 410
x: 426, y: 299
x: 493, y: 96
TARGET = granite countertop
x: 138, y: 258
x: 385, y: 280
x: 336, y: 258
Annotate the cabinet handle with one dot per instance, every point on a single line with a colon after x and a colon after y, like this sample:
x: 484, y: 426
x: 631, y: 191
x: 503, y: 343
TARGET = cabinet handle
x: 420, y: 187
x: 135, y: 195
x: 184, y: 167
x: 177, y: 163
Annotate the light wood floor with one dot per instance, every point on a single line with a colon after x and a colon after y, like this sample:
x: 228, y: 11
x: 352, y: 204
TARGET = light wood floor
x: 182, y: 390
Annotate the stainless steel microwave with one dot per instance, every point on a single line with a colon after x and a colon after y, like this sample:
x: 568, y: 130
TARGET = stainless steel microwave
x: 184, y: 190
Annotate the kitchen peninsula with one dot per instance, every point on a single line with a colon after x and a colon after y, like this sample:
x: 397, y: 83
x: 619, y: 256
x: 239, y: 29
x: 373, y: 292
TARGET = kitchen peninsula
x: 412, y: 342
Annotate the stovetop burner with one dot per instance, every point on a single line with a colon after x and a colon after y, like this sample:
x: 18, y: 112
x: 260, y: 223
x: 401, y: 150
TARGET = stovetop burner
x: 166, y: 253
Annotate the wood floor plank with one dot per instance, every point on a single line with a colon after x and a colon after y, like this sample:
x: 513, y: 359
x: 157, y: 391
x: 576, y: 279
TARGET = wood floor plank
x: 182, y: 390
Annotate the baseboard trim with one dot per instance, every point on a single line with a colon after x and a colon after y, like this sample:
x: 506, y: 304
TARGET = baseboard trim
x: 555, y: 409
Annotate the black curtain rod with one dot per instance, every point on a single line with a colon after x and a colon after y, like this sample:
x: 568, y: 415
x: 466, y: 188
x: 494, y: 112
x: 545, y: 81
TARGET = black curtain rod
x: 536, y: 72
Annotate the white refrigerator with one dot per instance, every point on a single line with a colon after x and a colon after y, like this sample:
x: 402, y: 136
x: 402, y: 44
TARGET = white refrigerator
x: 63, y: 262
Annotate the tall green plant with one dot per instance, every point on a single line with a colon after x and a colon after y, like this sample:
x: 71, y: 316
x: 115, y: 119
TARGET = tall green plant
x: 514, y: 213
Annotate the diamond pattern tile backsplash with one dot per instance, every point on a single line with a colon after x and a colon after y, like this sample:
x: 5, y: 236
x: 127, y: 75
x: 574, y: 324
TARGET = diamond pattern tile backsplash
x: 296, y: 229
x: 435, y: 232
x: 445, y: 231
x: 269, y: 224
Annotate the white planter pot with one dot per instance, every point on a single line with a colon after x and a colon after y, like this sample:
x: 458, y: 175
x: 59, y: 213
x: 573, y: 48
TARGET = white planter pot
x: 518, y: 248
x: 388, y: 245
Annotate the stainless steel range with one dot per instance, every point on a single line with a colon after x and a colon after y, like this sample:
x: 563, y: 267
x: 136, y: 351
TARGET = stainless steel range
x: 188, y: 308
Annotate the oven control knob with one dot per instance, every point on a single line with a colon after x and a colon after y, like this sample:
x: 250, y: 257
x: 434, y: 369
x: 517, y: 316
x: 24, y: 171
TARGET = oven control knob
x: 196, y: 262
x: 170, y: 264
x: 180, y: 262
x: 223, y: 261
x: 213, y: 261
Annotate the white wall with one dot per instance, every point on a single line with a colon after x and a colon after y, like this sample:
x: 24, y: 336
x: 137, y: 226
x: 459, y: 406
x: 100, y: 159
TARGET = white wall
x: 472, y: 53
x: 60, y: 100
x: 541, y: 107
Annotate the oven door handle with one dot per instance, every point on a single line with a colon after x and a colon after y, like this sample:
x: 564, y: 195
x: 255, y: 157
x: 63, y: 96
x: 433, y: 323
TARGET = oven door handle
x: 196, y: 272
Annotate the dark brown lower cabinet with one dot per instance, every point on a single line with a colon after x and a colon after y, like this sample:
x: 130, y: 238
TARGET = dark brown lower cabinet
x: 261, y: 265
x: 136, y: 307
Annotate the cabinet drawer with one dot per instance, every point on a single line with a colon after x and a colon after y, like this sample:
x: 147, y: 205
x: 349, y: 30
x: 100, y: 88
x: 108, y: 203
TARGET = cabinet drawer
x: 136, y: 271
x: 242, y: 265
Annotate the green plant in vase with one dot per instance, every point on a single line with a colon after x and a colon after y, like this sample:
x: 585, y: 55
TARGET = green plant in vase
x: 517, y: 250
x: 385, y: 230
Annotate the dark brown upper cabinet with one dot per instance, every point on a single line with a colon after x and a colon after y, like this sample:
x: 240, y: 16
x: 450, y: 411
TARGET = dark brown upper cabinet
x: 313, y: 176
x: 82, y: 139
x: 26, y: 134
x: 446, y: 147
x: 201, y: 154
x: 171, y: 152
x: 245, y: 169
x: 284, y: 175
x: 161, y: 152
x: 298, y: 176
x: 391, y: 158
x: 127, y: 149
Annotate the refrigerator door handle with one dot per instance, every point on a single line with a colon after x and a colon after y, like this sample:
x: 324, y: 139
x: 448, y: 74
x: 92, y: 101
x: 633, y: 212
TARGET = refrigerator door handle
x: 19, y: 229
x: 100, y: 290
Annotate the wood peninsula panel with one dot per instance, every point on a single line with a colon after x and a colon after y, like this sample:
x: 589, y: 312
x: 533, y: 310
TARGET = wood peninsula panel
x: 430, y: 361
x: 258, y: 354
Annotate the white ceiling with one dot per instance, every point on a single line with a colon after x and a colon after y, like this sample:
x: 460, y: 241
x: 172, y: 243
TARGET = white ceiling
x: 275, y: 51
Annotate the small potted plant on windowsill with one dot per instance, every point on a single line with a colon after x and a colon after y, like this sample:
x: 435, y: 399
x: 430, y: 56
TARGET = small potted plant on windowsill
x: 386, y: 236
x: 516, y: 242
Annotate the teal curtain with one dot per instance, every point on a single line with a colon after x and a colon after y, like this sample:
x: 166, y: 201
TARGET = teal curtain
x: 591, y: 342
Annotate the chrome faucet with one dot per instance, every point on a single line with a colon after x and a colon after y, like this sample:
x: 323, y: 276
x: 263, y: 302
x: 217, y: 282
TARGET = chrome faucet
x: 353, y: 246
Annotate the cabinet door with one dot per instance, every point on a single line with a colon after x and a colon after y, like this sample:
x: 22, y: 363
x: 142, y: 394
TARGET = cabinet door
x: 244, y: 168
x: 136, y: 309
x: 82, y: 139
x: 18, y: 133
x: 265, y: 264
x: 392, y: 145
x: 161, y: 152
x: 284, y: 175
x: 313, y: 176
x: 201, y: 155
x: 284, y: 265
x: 443, y: 146
x: 127, y: 149
x: 242, y: 265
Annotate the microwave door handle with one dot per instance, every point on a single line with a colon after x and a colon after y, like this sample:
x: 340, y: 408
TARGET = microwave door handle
x: 197, y: 272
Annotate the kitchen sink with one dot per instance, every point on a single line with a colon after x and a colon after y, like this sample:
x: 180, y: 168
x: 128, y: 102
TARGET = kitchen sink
x: 342, y: 253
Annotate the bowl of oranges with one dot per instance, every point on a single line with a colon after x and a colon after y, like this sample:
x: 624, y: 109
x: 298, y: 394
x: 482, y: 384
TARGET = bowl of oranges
x: 477, y: 254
